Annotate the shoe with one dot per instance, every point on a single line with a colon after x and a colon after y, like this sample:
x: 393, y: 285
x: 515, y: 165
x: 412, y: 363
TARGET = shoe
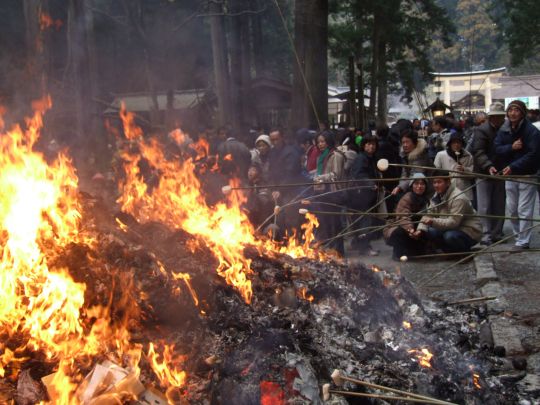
x: 519, y: 248
x: 486, y: 242
x: 372, y: 252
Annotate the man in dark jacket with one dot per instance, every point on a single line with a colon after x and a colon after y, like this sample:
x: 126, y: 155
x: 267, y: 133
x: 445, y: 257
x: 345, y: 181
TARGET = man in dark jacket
x: 285, y: 168
x: 518, y: 143
x: 490, y: 193
x: 234, y: 158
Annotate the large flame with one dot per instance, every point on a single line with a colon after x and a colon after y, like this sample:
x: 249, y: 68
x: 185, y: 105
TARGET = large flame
x: 42, y: 308
x: 177, y: 201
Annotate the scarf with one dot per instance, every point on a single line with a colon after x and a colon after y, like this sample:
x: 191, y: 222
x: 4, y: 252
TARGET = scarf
x: 320, y: 161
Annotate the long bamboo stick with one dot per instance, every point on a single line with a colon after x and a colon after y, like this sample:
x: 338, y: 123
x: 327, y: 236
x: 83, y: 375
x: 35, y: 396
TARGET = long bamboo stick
x: 428, y: 214
x: 338, y: 378
x: 468, y: 257
x: 377, y: 396
x: 383, y: 165
x: 438, y: 255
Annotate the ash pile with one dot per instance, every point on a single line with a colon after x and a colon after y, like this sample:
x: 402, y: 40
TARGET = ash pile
x: 306, y: 319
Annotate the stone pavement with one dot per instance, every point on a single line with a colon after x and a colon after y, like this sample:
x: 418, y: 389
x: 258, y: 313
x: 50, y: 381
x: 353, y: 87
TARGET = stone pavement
x: 514, y: 317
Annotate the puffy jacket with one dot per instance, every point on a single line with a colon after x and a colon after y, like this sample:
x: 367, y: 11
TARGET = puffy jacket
x: 523, y: 161
x: 454, y: 202
x: 483, y: 149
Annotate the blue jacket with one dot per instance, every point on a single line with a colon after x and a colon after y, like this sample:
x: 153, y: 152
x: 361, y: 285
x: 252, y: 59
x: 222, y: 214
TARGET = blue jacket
x: 525, y: 160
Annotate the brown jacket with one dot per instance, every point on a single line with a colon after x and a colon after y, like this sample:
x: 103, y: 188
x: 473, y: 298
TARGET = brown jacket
x: 463, y: 216
x: 408, y: 206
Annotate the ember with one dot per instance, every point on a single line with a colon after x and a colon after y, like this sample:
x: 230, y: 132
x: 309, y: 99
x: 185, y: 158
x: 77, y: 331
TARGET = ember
x: 423, y: 356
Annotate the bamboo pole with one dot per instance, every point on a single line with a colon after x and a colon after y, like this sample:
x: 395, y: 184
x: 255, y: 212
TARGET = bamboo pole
x: 338, y: 379
x: 466, y: 258
x: 474, y: 300
x: 427, y: 214
x: 383, y: 165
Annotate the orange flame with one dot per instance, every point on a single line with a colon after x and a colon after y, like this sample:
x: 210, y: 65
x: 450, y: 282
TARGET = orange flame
x: 202, y: 148
x: 475, y: 378
x: 177, y: 202
x: 423, y: 357
x: 304, y: 295
x: 41, y: 307
x: 167, y: 369
x: 46, y: 21
x: 407, y: 325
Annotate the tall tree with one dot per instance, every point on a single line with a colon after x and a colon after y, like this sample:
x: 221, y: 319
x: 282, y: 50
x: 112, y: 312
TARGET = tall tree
x: 476, y: 41
x: 310, y: 79
x: 519, y: 21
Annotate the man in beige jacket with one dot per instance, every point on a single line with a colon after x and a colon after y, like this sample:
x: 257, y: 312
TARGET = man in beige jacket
x: 451, y: 223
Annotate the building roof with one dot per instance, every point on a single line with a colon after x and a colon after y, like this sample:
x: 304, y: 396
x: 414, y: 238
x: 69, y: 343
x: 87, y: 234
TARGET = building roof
x: 142, y: 102
x: 473, y: 73
x: 518, y: 86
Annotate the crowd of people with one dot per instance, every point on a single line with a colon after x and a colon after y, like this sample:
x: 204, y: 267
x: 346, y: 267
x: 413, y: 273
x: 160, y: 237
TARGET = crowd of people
x: 448, y: 184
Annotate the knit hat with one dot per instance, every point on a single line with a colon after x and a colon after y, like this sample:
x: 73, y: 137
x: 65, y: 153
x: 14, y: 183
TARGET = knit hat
x: 417, y: 176
x: 520, y: 105
x: 265, y: 139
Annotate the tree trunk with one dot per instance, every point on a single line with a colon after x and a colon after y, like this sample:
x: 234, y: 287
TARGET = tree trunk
x: 310, y: 99
x: 375, y: 43
x: 219, y: 49
x: 352, y: 118
x: 134, y: 11
x: 300, y: 102
x: 258, y: 41
x: 240, y: 65
x: 82, y: 64
x: 37, y: 47
x: 382, y: 85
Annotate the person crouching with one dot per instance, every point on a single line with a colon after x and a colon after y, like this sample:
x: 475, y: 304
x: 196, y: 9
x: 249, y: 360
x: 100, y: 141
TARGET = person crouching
x: 451, y: 224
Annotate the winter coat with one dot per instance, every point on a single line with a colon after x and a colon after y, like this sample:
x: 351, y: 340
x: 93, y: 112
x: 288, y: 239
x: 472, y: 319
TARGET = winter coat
x: 526, y: 160
x: 453, y: 202
x: 350, y: 156
x: 418, y: 157
x: 240, y: 157
x: 448, y: 161
x: 409, y: 205
x: 364, y: 167
x: 264, y: 164
x: 333, y: 170
x: 285, y: 165
x: 483, y: 149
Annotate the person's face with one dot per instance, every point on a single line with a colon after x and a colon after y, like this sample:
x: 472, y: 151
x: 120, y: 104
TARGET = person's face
x: 441, y: 185
x: 370, y: 148
x: 514, y: 115
x: 263, y: 148
x: 435, y: 127
x: 253, y: 174
x: 321, y: 143
x: 419, y: 187
x: 496, y: 120
x: 456, y: 146
x: 407, y: 144
x: 276, y: 139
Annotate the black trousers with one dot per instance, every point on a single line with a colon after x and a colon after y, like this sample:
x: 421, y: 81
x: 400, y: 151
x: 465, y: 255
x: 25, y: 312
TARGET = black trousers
x: 404, y: 245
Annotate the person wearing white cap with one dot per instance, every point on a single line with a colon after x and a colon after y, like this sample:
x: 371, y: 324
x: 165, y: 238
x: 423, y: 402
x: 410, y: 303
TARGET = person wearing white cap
x: 490, y: 194
x: 260, y: 155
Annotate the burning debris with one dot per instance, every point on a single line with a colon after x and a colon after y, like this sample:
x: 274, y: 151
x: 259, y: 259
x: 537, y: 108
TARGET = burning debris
x: 102, y: 306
